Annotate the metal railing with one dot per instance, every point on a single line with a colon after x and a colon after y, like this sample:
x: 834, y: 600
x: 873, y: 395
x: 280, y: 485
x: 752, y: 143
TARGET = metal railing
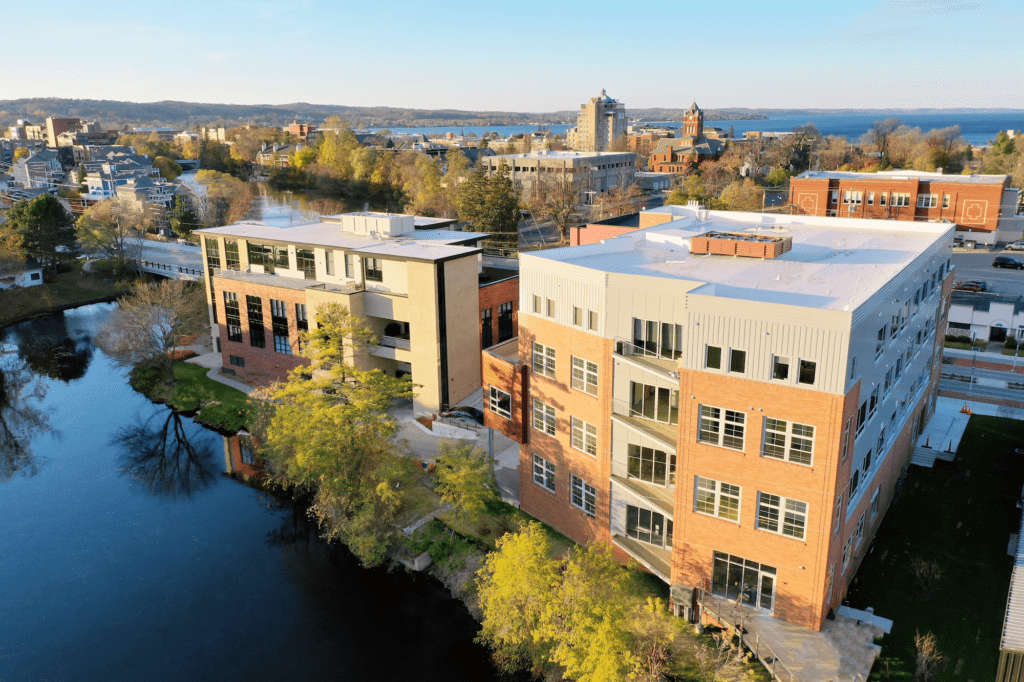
x: 728, y: 613
x: 395, y: 342
x: 170, y: 268
x: 627, y: 347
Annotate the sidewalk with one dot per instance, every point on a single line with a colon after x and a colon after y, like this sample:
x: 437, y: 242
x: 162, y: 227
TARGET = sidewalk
x: 941, y: 435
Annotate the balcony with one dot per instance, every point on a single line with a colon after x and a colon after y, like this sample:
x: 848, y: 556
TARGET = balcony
x: 657, y: 560
x: 640, y: 357
x: 666, y: 434
x: 660, y: 498
x: 396, y: 342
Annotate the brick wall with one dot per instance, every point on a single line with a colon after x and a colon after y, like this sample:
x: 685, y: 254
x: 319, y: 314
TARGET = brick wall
x: 493, y: 295
x: 592, y: 234
x: 513, y: 378
x: 262, y: 365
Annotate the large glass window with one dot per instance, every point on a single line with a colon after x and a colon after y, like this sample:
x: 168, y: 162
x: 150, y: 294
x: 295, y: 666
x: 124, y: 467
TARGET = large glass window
x: 279, y: 326
x: 650, y: 465
x: 654, y: 402
x: 788, y: 441
x: 257, y: 335
x: 231, y: 261
x: 504, y: 321
x: 781, y: 515
x: 543, y: 360
x: 486, y: 329
x: 305, y: 261
x: 716, y: 498
x: 583, y: 495
x: 232, y: 317
x: 301, y: 321
x: 648, y: 526
x: 212, y: 254
x: 721, y: 427
x: 543, y: 473
x: 739, y: 579
x: 268, y: 256
x: 373, y: 269
x: 660, y: 339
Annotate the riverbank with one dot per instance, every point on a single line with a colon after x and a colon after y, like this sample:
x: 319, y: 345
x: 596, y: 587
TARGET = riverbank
x: 62, y: 291
x: 218, y: 407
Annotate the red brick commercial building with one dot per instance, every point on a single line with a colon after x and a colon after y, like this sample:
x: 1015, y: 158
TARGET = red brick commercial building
x: 676, y: 154
x: 738, y: 424
x: 983, y: 206
x: 425, y: 294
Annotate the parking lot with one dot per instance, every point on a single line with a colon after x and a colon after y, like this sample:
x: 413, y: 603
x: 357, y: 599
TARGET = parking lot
x: 978, y: 266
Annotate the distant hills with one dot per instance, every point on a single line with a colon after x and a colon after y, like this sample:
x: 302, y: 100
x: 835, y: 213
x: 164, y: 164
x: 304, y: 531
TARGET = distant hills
x: 184, y: 115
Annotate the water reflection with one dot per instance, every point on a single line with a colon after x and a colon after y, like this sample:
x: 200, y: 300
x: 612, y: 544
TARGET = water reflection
x: 21, y: 418
x: 157, y: 453
x: 52, y: 349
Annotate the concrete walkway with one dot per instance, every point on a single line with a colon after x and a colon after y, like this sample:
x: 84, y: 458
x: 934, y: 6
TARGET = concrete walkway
x: 944, y: 430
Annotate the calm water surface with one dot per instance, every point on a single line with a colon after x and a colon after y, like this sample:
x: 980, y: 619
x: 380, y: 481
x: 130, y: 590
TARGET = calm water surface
x: 125, y: 554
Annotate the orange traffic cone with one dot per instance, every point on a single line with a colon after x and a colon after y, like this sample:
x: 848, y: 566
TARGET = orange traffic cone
x: 927, y: 442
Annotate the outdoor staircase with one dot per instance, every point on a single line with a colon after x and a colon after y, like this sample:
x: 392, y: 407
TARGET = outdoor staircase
x: 926, y: 457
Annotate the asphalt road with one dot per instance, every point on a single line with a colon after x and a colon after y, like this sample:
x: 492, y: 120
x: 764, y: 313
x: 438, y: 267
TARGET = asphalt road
x: 978, y: 266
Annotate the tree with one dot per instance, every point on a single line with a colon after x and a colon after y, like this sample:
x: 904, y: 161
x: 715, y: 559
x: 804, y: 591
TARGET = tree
x: 490, y: 204
x: 20, y: 153
x: 113, y: 228
x: 653, y: 631
x: 716, y: 659
x: 515, y: 587
x: 168, y: 167
x: 878, y: 136
x: 183, y: 218
x: 46, y: 230
x: 556, y: 198
x: 778, y: 177
x: 226, y: 198
x: 152, y: 320
x: 327, y: 430
x: 929, y: 658
x: 465, y: 480
x: 677, y: 197
x: 743, y: 195
x: 928, y: 574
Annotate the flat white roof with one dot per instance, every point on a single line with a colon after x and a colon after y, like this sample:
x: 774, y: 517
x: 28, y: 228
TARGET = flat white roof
x: 923, y: 176
x: 543, y: 154
x: 835, y: 263
x: 422, y: 244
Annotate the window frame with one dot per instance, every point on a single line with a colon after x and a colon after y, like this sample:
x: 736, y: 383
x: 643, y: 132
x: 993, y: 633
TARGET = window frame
x: 494, y: 402
x: 720, y: 422
x: 373, y: 269
x: 544, y: 360
x: 585, y: 493
x: 712, y: 351
x: 544, y: 418
x: 582, y: 375
x: 781, y: 505
x: 587, y: 436
x: 789, y: 439
x: 780, y: 361
x: 710, y: 501
x: 544, y: 472
x: 802, y: 368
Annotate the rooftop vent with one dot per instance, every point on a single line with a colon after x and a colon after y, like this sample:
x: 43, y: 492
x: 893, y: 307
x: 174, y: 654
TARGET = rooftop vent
x: 738, y: 244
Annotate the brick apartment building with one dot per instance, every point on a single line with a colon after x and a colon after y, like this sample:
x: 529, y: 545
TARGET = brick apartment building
x: 982, y: 205
x: 422, y: 292
x: 731, y: 399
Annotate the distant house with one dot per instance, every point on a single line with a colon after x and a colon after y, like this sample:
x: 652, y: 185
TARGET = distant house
x: 276, y: 155
x: 26, y: 273
x: 41, y: 170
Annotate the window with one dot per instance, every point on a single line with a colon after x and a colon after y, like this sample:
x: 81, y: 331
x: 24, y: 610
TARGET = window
x: 854, y: 481
x: 846, y: 552
x: 927, y: 200
x: 945, y: 201
x: 301, y: 321
x: 887, y: 384
x: 34, y: 276
x: 860, y: 529
x: 583, y: 495
x: 232, y: 317
x: 584, y: 375
x: 304, y: 261
x: 837, y: 520
x: 874, y: 502
x: 781, y: 515
x: 236, y: 360
x: 212, y: 254
x: 650, y: 465
x: 713, y: 357
x: 717, y: 499
x: 852, y: 197
x: 486, y: 329
x: 543, y: 473
x: 880, y: 343
x: 853, y: 367
x: 713, y: 431
x: 268, y: 256
x: 881, y: 198
x: 900, y: 199
x: 798, y: 437
x: 738, y: 361
x: 231, y: 255
x: 867, y: 462
x: 807, y: 371
x: 873, y: 404
x: 834, y: 197
x: 348, y: 265
x: 846, y: 437
x: 536, y: 304
x: 543, y: 360
x: 543, y: 417
x: 780, y: 368
x: 504, y: 321
x: 577, y: 316
x: 372, y: 270
x: 881, y: 441
x: 654, y: 402
x: 871, y: 198
x: 254, y: 306
x: 648, y: 526
x: 862, y: 417
x: 551, y: 307
x: 328, y: 262
x: 500, y: 403
x: 584, y: 436
x: 659, y: 339
x: 279, y: 326
x: 593, y: 321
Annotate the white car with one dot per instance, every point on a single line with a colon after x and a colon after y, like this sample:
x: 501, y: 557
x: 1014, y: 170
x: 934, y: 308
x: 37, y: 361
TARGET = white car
x: 1016, y: 246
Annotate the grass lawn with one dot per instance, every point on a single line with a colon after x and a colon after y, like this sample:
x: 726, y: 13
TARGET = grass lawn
x: 966, y: 346
x: 220, y: 406
x: 60, y: 290
x: 959, y: 514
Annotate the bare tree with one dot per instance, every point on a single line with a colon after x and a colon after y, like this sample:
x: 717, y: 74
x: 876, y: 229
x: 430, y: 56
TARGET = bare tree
x: 929, y: 658
x: 717, y: 659
x: 152, y: 320
x: 114, y: 228
x: 879, y: 134
x: 556, y: 197
x: 928, y: 574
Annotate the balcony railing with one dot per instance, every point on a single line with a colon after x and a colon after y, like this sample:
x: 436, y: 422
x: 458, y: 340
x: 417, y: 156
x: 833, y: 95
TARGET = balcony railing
x: 395, y: 342
x: 648, y: 359
x: 662, y: 431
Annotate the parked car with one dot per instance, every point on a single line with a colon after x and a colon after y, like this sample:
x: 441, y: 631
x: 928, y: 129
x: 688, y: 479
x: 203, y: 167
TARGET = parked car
x: 1016, y: 246
x: 971, y: 285
x: 1007, y: 262
x: 465, y: 412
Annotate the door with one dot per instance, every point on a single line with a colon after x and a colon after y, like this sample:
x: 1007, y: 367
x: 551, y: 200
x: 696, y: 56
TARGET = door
x: 997, y: 334
x: 743, y: 580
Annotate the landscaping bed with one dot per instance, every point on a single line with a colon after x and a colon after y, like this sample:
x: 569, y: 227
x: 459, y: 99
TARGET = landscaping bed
x: 959, y: 515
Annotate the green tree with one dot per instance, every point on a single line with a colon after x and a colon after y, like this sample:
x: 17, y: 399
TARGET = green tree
x: 677, y: 197
x: 168, y: 167
x: 226, y: 198
x: 778, y: 177
x: 20, y: 153
x: 515, y: 588
x: 471, y: 197
x: 183, y: 218
x: 328, y: 430
x: 501, y: 205
x: 114, y: 229
x: 46, y: 230
x: 465, y: 480
x: 743, y: 195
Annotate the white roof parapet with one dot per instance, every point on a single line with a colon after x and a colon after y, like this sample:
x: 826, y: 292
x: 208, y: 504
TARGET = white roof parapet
x: 1013, y: 621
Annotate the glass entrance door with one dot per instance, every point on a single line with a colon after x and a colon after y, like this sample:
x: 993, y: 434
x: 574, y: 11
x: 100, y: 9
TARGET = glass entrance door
x: 736, y: 578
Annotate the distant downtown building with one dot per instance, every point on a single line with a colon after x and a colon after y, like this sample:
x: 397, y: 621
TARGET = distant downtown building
x: 595, y: 172
x: 599, y: 125
x: 983, y: 206
x: 731, y: 399
x: 424, y: 294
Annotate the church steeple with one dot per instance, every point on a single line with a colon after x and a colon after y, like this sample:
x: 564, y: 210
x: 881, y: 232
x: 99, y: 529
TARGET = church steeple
x: 693, y: 121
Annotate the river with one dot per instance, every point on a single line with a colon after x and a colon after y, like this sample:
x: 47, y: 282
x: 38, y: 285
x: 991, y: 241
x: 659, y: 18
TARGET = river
x: 126, y: 554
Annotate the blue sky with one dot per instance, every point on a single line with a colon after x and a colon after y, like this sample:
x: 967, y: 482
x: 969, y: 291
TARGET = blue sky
x: 521, y: 56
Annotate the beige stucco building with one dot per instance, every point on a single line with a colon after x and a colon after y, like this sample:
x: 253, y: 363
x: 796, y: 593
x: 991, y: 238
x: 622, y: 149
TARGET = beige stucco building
x: 599, y: 124
x: 595, y: 172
